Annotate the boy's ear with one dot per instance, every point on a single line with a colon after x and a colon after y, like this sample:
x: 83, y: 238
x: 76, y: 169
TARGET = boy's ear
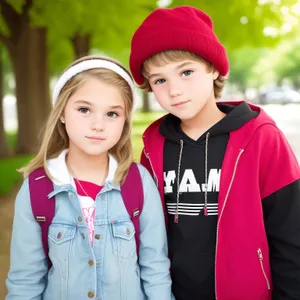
x: 215, y: 74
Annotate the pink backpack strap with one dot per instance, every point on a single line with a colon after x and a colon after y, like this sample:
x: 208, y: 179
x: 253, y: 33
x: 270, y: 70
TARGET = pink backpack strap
x: 133, y: 197
x: 43, y: 209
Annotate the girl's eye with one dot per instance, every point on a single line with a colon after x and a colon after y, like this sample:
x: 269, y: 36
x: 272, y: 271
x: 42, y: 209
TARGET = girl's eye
x: 112, y: 114
x: 187, y: 73
x: 84, y: 110
x: 159, y: 81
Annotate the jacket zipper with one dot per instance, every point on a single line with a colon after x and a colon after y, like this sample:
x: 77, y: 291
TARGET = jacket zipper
x: 260, y: 256
x: 225, y: 201
x: 155, y: 177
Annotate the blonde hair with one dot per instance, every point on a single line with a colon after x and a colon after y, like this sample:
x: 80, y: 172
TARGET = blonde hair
x: 168, y: 56
x: 55, y: 138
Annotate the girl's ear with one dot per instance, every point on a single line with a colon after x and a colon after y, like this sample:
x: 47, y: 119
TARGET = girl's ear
x: 215, y: 74
x: 62, y: 120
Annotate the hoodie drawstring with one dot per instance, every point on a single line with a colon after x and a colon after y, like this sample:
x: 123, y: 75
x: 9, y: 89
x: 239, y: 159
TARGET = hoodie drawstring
x: 178, y: 181
x: 205, y: 210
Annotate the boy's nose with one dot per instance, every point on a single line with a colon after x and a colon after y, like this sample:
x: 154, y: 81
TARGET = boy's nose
x: 174, y: 92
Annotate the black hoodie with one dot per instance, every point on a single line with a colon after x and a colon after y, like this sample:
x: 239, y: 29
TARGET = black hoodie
x: 192, y: 211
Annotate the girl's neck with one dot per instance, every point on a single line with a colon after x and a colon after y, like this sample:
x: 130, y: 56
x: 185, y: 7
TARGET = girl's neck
x: 88, y: 168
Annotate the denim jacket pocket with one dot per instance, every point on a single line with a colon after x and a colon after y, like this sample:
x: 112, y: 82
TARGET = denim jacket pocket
x: 61, y: 233
x: 123, y: 239
x: 60, y: 241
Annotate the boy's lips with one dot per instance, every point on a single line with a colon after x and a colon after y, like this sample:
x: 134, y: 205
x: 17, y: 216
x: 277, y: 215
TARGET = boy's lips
x: 180, y: 103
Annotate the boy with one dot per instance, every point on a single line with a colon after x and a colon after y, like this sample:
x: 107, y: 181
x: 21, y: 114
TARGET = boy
x: 227, y: 177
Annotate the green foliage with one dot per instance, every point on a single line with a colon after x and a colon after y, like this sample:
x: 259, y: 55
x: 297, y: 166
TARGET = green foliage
x: 279, y: 64
x: 228, y: 19
x: 17, y: 4
x: 242, y: 62
x: 109, y: 23
x: 288, y: 65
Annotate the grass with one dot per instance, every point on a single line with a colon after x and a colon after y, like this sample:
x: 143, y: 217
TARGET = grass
x: 9, y: 177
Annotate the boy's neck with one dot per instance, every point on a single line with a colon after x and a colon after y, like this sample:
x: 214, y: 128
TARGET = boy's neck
x: 207, y: 117
x: 88, y: 168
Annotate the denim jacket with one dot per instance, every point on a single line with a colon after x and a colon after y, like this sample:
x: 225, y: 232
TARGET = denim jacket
x: 108, y: 269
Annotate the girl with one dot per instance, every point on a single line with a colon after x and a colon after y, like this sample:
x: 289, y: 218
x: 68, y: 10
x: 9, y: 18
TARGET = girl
x: 86, y: 152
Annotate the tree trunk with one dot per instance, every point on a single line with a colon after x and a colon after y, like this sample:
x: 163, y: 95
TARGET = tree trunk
x: 146, y: 102
x: 32, y: 87
x: 81, y: 45
x: 38, y: 85
x: 4, y: 148
x: 28, y: 51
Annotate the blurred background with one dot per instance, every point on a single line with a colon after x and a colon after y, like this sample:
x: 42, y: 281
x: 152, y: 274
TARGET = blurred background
x: 39, y: 38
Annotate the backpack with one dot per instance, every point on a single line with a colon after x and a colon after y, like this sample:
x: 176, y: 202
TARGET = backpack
x: 43, y: 210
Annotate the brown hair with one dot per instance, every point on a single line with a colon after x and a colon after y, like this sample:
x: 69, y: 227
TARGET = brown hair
x: 55, y: 138
x: 177, y: 55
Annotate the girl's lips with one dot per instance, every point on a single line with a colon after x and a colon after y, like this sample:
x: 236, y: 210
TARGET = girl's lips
x: 95, y: 138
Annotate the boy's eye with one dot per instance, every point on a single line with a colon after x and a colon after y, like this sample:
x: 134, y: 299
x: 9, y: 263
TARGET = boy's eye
x: 187, y: 73
x: 159, y: 81
x: 84, y: 110
x: 112, y: 114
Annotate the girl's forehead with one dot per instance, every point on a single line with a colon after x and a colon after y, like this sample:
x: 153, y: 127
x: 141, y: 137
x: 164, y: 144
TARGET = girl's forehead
x: 98, y: 94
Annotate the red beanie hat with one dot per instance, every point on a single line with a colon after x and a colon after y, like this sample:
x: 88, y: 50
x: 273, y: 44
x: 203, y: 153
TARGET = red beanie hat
x: 181, y: 28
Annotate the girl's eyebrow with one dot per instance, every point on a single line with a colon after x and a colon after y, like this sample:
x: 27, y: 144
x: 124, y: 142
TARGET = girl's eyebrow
x: 116, y: 107
x: 91, y: 104
x: 84, y: 102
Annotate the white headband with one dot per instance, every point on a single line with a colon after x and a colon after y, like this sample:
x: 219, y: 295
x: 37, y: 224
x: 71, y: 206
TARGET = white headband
x: 92, y: 64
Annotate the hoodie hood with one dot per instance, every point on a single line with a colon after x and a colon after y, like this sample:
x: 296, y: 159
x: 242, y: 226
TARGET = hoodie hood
x: 242, y: 136
x: 236, y: 117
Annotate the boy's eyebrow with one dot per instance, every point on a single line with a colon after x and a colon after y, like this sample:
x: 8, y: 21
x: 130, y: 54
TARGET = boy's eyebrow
x: 155, y: 75
x: 184, y: 64
x: 178, y: 67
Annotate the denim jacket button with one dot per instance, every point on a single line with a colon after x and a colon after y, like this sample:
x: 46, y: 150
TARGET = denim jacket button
x: 70, y: 195
x: 79, y: 219
x: 128, y: 231
x: 98, y: 236
x: 58, y: 235
x: 91, y: 295
x: 91, y: 262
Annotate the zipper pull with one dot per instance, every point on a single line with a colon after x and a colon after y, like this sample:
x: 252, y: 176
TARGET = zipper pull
x: 176, y: 216
x: 205, y: 211
x: 260, y: 254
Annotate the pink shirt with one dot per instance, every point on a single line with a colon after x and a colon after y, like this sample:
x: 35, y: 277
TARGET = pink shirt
x: 88, y: 205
